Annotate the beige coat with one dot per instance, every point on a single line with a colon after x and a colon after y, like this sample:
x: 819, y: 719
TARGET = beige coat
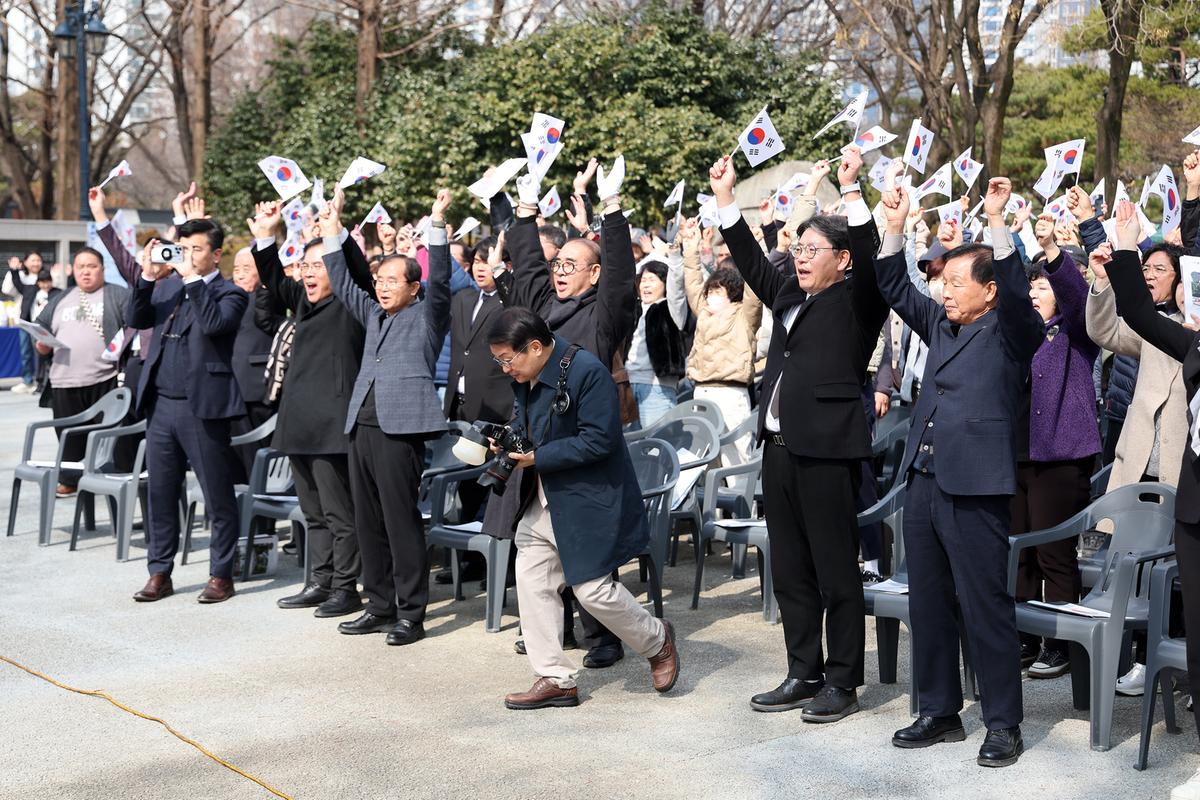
x: 1159, y: 386
x: 724, y: 346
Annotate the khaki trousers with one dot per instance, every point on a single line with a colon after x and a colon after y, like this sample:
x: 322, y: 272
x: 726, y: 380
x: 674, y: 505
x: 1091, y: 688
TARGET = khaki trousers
x: 539, y: 581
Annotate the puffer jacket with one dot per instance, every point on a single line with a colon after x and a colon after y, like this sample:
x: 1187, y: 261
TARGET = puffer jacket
x: 1122, y: 378
x: 724, y: 347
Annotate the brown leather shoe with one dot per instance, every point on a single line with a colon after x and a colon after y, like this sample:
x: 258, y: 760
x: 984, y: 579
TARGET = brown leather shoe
x: 158, y: 587
x: 664, y: 667
x: 218, y: 590
x: 544, y: 694
x: 62, y: 490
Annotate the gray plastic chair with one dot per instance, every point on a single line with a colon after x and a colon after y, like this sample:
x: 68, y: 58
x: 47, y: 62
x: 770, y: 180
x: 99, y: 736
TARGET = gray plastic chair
x: 111, y: 409
x: 1163, y: 654
x: 443, y: 533
x: 1143, y: 517
x: 704, y: 409
x: 656, y: 465
x: 891, y: 436
x: 270, y: 495
x: 715, y: 499
x: 439, y: 454
x: 120, y: 488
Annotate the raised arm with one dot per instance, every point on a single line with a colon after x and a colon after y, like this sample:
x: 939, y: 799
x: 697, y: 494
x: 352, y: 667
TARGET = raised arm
x: 127, y: 266
x: 693, y: 274
x: 752, y: 263
x: 531, y: 284
x: 1133, y: 297
x: 1023, y: 328
x: 677, y: 301
x: 615, y: 308
x: 359, y: 268
x: 1104, y: 327
x: 360, y: 304
x: 872, y: 309
x: 284, y: 291
x: 917, y: 309
x: 438, y: 296
x: 1070, y: 288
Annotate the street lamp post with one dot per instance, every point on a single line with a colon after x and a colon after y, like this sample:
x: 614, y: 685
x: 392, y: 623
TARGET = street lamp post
x: 81, y: 33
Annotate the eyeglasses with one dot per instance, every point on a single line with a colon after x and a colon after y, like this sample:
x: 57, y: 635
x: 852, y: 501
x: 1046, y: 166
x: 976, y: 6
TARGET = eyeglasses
x: 505, y: 363
x: 388, y: 283
x: 1157, y: 270
x: 565, y: 266
x: 809, y: 250
x: 311, y: 267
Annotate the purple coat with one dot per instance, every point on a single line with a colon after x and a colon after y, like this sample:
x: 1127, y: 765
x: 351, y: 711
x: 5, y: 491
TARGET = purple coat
x: 1062, y: 409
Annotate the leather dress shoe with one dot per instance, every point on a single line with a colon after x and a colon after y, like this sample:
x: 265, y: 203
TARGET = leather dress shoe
x: 603, y: 655
x: 218, y: 590
x: 543, y: 694
x: 830, y: 704
x: 367, y: 623
x: 406, y: 631
x: 926, y: 731
x: 1001, y: 748
x: 62, y: 490
x: 339, y: 603
x: 158, y: 587
x: 664, y: 667
x: 792, y: 693
x: 312, y: 595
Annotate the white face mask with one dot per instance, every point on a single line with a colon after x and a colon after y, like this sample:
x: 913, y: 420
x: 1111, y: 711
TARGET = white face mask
x: 716, y: 302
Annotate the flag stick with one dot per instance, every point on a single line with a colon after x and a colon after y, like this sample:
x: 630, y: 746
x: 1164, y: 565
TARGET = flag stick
x: 1076, y: 179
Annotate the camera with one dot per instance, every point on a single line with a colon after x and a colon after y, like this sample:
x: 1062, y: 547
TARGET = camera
x: 473, y: 448
x: 166, y: 254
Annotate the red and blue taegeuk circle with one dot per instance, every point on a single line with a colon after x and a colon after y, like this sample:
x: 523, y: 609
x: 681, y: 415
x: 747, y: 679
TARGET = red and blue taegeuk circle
x: 756, y: 136
x: 916, y: 148
x: 1171, y: 199
x: 1070, y: 156
x: 552, y: 135
x: 283, y: 173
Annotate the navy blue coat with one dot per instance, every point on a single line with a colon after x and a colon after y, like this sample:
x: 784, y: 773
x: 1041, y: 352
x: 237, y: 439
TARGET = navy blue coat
x: 972, y: 380
x: 217, y: 310
x: 592, y: 492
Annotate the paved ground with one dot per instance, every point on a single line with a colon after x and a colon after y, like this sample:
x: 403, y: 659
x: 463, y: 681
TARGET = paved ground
x: 320, y: 715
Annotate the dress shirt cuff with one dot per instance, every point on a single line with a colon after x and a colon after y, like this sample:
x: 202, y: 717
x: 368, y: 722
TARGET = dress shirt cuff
x: 332, y: 244
x: 147, y: 278
x: 437, y: 236
x: 262, y: 244
x: 1002, y: 243
x: 892, y: 243
x: 102, y: 225
x: 857, y: 212
x: 178, y: 220
x: 729, y: 215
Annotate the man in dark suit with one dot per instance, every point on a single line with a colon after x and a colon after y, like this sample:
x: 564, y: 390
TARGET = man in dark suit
x: 815, y: 434
x: 251, y: 349
x: 477, y: 388
x: 189, y: 395
x: 961, y: 470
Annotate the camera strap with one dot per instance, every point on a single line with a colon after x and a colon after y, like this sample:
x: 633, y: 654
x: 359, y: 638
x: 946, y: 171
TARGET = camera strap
x: 562, y: 400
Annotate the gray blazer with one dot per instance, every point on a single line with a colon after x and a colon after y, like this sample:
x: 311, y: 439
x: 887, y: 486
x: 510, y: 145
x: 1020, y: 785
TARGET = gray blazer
x: 401, y: 350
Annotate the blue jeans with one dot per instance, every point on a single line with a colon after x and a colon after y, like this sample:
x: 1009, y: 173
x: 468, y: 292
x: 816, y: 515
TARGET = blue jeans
x: 653, y: 401
x: 28, y: 359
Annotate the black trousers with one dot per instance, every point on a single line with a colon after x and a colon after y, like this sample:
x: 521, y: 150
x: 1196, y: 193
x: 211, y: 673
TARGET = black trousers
x: 70, y: 401
x: 812, y: 525
x: 1049, y: 493
x: 175, y: 437
x: 243, y: 456
x: 957, y: 553
x: 870, y: 536
x: 1187, y: 554
x: 385, y: 479
x: 323, y: 487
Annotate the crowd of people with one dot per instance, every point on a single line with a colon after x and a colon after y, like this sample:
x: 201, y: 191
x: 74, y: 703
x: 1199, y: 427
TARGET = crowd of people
x: 1026, y: 369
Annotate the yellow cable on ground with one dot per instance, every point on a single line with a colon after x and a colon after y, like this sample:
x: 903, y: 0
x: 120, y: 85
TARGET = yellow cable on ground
x: 136, y: 713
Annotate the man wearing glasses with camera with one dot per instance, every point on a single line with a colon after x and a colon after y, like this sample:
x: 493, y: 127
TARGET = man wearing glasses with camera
x: 815, y: 436
x: 580, y: 507
x: 586, y: 296
x: 327, y: 348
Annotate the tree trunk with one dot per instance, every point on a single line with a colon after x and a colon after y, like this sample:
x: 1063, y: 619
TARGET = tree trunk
x: 493, y: 26
x: 368, y: 53
x: 698, y: 8
x: 1120, y: 59
x: 66, y: 128
x: 201, y: 90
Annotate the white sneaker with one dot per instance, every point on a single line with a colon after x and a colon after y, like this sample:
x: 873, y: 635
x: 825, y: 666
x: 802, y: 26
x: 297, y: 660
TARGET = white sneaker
x: 23, y: 388
x: 1133, y: 684
x: 1189, y: 790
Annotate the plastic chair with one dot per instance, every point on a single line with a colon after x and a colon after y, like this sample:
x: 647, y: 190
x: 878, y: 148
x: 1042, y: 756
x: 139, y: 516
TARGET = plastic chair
x: 469, y: 536
x: 1100, y: 480
x: 656, y: 465
x: 891, y: 436
x: 270, y: 495
x: 704, y: 409
x: 111, y: 410
x: 1143, y: 517
x: 1163, y: 654
x: 439, y: 454
x: 120, y: 488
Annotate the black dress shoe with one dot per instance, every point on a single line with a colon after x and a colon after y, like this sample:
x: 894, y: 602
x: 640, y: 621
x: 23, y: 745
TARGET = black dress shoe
x: 406, y: 632
x: 340, y: 603
x: 830, y: 704
x: 926, y: 731
x: 792, y: 693
x: 367, y: 623
x: 1001, y: 748
x: 1029, y: 654
x: 603, y: 656
x: 311, y: 595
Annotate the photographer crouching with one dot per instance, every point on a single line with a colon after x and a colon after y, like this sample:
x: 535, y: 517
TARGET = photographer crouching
x: 581, y: 513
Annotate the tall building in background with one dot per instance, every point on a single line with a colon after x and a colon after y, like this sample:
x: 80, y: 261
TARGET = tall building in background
x: 1043, y: 44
